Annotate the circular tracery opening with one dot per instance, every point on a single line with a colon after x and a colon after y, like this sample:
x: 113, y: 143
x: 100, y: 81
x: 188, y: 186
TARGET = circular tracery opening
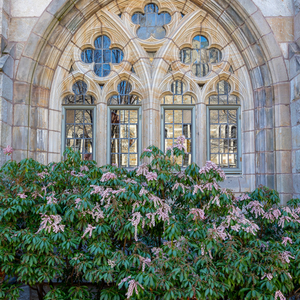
x: 102, y: 56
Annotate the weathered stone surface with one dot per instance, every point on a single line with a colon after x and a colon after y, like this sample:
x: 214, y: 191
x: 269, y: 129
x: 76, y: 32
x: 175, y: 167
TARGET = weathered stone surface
x: 283, y: 28
x: 20, y: 28
x: 28, y: 8
x: 275, y: 7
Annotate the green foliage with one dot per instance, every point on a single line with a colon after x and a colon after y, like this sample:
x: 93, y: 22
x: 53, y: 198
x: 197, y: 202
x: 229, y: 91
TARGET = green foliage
x: 71, y: 230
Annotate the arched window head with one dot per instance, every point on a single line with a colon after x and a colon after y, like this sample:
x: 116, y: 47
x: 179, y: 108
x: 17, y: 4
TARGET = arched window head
x: 124, y: 97
x: 151, y: 22
x: 102, y: 56
x: 199, y: 56
x: 178, y: 88
x: 80, y: 96
x: 224, y: 97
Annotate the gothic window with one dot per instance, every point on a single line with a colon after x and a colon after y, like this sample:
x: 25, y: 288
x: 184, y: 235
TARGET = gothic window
x: 199, y: 57
x: 224, y: 128
x: 124, y: 127
x: 79, y: 120
x: 178, y: 119
x: 102, y: 56
x: 151, y: 22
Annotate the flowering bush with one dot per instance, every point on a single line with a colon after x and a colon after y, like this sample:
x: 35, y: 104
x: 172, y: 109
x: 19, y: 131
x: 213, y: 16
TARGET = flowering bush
x: 71, y: 230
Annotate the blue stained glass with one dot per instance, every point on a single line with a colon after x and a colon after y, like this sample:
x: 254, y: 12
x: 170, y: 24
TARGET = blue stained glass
x: 87, y: 56
x: 98, y: 70
x: 117, y: 56
x: 102, y: 56
x: 106, y: 42
x: 106, y: 70
x: 98, y: 56
x: 135, y: 18
x: 106, y: 56
x: 151, y: 22
x: 98, y: 43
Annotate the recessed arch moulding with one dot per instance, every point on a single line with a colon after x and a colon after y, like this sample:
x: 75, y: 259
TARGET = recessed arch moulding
x: 51, y: 63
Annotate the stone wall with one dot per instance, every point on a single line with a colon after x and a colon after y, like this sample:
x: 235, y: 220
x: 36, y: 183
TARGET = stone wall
x: 35, y: 33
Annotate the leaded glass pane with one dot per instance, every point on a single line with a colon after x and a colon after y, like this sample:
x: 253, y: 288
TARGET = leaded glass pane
x: 177, y: 123
x: 151, y: 22
x: 223, y: 137
x: 124, y: 138
x: 76, y: 127
x: 224, y: 97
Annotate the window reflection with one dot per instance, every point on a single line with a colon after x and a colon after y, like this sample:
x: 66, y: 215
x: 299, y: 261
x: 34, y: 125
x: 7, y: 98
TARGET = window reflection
x: 79, y: 122
x: 199, y: 56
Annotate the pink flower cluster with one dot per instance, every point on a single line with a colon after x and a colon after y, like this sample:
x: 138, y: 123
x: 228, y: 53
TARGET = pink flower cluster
x: 51, y: 222
x: 256, y: 208
x: 22, y: 195
x: 142, y: 169
x: 89, y: 230
x: 43, y: 174
x: 198, y: 214
x: 177, y: 185
x: 280, y: 295
x: 8, y: 150
x: 145, y: 261
x: 108, y: 176
x: 210, y: 166
x: 84, y: 168
x: 286, y: 257
x: 268, y: 275
x: 286, y: 240
x: 151, y: 176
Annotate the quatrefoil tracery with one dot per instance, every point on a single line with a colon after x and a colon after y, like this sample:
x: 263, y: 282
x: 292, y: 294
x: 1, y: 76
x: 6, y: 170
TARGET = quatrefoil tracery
x: 151, y: 22
x: 102, y: 56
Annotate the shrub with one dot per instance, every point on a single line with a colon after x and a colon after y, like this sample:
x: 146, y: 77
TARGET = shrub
x: 71, y: 230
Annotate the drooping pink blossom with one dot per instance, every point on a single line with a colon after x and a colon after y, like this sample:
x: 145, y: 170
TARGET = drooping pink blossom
x: 143, y: 191
x: 216, y: 201
x: 147, y: 150
x: 285, y: 256
x: 177, y: 185
x: 89, y: 230
x: 212, y: 166
x: 97, y: 189
x: 97, y: 213
x: 151, y: 176
x: 268, y: 275
x: 84, y: 168
x: 51, y: 199
x: 256, y: 208
x: 77, y: 201
x: 8, y: 150
x: 197, y: 188
x: 145, y: 261
x: 133, y: 287
x: 51, y: 222
x: 198, y: 214
x: 111, y: 263
x: 284, y: 219
x: 22, y: 195
x: 244, y: 197
x: 142, y: 170
x: 43, y: 174
x: 218, y: 232
x: 286, y: 240
x: 135, y: 220
x: 280, y: 295
x: 108, y: 176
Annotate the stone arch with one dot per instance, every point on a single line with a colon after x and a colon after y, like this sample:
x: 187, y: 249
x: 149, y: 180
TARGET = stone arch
x: 242, y: 20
